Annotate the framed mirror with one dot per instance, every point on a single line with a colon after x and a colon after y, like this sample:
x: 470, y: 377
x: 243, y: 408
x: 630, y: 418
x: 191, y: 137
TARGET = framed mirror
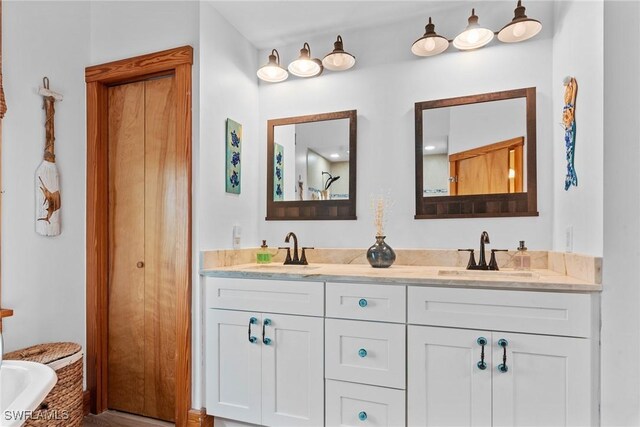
x: 476, y: 156
x: 311, y: 167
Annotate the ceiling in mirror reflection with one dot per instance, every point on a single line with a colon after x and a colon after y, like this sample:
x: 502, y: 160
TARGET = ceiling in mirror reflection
x: 311, y: 161
x: 475, y: 148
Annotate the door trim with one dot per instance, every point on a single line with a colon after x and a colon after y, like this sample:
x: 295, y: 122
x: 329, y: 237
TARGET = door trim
x: 98, y: 78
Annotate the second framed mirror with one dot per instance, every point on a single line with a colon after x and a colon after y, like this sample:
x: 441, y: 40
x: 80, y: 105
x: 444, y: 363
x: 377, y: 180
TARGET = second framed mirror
x: 476, y: 156
x: 311, y: 167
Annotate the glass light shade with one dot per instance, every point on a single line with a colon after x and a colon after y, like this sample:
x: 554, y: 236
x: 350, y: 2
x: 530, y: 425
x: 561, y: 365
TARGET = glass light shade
x: 520, y: 28
x: 304, y: 66
x: 474, y: 36
x: 431, y: 43
x: 272, y: 71
x: 338, y: 60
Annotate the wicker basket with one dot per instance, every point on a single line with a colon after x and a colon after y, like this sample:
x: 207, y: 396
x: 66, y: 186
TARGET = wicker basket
x: 63, y: 405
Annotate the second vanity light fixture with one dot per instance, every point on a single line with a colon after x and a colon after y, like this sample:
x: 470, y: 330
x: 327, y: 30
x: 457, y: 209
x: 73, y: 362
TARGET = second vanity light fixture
x: 475, y: 36
x: 305, y: 65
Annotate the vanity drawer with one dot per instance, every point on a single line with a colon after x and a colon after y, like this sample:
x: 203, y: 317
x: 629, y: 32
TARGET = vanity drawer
x: 349, y: 404
x: 386, y: 303
x: 270, y: 296
x: 547, y: 313
x: 365, y: 352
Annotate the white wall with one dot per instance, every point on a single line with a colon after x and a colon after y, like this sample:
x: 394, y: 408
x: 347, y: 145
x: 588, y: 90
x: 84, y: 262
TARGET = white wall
x: 43, y: 279
x: 228, y: 89
x: 621, y: 282
x: 578, y: 52
x: 384, y: 85
x: 286, y: 136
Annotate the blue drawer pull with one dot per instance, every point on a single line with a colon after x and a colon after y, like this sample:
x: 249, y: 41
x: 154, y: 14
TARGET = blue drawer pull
x: 265, y: 340
x: 362, y: 416
x: 252, y: 321
x: 362, y: 303
x: 362, y: 352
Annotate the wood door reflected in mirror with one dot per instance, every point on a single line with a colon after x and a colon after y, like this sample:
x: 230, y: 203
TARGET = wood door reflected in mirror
x: 476, y: 156
x: 311, y: 165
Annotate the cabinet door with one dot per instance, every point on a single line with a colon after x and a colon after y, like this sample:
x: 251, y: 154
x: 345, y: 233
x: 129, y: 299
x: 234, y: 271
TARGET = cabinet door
x: 548, y: 381
x: 292, y: 371
x: 233, y: 365
x: 445, y: 385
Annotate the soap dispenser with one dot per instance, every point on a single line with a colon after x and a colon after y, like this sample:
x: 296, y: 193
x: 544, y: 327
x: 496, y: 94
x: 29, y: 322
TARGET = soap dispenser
x: 263, y: 256
x: 522, y: 258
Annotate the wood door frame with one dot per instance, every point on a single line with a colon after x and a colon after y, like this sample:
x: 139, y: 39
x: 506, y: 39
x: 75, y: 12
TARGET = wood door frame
x: 176, y: 62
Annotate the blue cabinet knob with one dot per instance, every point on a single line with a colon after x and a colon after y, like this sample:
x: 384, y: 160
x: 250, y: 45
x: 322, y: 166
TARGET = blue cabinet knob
x: 267, y: 341
x: 362, y: 352
x: 362, y: 302
x: 362, y: 416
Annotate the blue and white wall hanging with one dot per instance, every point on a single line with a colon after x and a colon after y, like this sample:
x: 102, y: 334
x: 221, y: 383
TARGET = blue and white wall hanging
x: 569, y: 124
x: 278, y: 172
x: 233, y: 155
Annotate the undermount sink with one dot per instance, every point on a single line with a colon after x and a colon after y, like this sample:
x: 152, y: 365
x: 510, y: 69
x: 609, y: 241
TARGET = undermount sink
x: 292, y: 267
x: 487, y: 273
x: 23, y: 386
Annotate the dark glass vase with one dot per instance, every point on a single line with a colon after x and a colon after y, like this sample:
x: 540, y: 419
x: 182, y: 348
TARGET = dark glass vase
x: 380, y: 255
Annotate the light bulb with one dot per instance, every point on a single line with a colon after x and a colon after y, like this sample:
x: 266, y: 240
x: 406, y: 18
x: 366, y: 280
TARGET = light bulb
x: 473, y: 36
x: 338, y: 60
x: 519, y: 29
x: 429, y: 44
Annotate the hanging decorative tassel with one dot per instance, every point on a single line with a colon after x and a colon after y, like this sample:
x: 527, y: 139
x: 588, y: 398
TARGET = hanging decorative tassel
x: 569, y: 124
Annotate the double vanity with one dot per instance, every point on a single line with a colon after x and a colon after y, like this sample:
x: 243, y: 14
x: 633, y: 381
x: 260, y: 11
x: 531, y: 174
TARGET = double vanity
x: 423, y: 343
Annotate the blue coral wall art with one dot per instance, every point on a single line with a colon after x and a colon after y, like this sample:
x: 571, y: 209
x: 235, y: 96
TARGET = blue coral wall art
x: 233, y: 175
x: 278, y: 172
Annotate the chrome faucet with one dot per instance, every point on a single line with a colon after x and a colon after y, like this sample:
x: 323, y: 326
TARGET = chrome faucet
x: 484, y: 239
x: 482, y: 263
x: 297, y: 259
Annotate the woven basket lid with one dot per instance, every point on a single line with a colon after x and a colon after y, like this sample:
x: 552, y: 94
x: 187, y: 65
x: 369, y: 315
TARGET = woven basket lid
x: 45, y: 353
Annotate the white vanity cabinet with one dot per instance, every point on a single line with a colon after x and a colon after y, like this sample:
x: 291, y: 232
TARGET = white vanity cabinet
x: 310, y: 353
x: 265, y: 368
x: 464, y: 376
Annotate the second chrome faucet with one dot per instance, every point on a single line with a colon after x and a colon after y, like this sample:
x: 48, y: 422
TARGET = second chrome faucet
x: 482, y: 263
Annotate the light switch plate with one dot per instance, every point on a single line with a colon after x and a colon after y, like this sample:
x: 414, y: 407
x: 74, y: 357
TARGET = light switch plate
x: 568, y: 245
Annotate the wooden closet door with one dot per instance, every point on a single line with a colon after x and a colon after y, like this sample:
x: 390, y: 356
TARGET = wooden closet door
x: 142, y: 221
x: 126, y: 376
x: 160, y: 250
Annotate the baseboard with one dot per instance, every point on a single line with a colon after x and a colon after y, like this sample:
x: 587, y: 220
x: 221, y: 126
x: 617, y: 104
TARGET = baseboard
x: 199, y: 418
x: 86, y: 402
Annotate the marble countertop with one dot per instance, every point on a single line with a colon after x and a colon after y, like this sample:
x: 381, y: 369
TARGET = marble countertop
x: 458, y: 277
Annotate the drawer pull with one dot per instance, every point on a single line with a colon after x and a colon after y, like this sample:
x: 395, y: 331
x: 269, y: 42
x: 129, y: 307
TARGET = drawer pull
x: 482, y: 365
x: 362, y: 416
x: 363, y: 302
x: 503, y: 366
x: 362, y: 352
x: 252, y: 321
x: 265, y: 340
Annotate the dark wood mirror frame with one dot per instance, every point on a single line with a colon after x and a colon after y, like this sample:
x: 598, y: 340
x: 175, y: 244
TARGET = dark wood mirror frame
x: 314, y: 209
x: 480, y: 205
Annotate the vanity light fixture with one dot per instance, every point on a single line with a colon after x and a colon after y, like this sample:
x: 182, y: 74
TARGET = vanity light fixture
x: 338, y: 60
x: 431, y: 43
x: 430, y: 147
x: 272, y: 71
x: 304, y: 66
x: 474, y: 36
x: 520, y: 28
